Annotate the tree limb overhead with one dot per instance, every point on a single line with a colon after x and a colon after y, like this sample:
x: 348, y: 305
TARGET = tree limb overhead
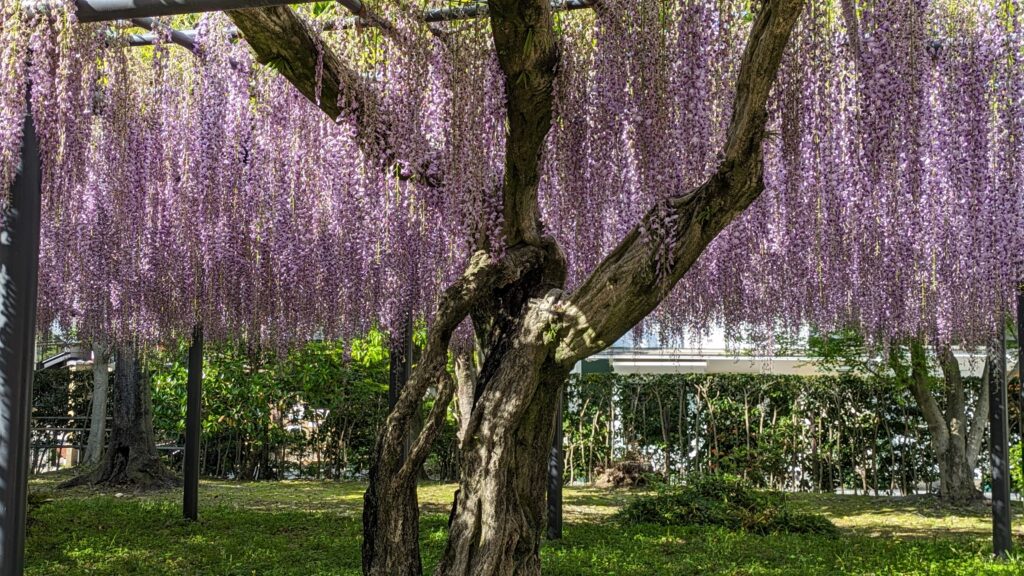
x: 627, y: 286
x: 284, y: 40
x: 525, y: 42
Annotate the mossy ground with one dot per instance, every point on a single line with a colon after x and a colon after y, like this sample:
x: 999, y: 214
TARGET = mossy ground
x: 306, y: 528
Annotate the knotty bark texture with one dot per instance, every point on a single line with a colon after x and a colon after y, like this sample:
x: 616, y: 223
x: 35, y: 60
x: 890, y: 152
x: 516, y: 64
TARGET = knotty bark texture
x: 530, y: 333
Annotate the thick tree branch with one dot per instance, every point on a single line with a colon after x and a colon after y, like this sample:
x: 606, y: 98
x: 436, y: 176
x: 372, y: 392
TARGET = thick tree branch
x: 525, y: 42
x: 930, y: 409
x: 627, y: 285
x: 435, y: 420
x: 979, y: 421
x: 285, y: 41
x: 956, y: 402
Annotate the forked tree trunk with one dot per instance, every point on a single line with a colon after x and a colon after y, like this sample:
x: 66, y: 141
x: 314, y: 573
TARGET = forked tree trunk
x: 130, y: 458
x: 955, y: 441
x: 533, y: 333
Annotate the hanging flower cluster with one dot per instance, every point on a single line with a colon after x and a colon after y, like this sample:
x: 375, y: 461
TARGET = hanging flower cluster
x: 200, y: 187
x: 893, y: 197
x: 184, y: 187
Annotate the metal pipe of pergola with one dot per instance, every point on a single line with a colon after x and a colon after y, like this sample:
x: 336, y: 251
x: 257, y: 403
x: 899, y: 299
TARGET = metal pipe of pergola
x: 357, y: 8
x: 177, y: 36
x: 107, y: 10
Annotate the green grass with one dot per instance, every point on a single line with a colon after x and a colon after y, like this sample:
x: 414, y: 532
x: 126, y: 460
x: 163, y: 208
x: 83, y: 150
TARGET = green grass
x: 313, y: 528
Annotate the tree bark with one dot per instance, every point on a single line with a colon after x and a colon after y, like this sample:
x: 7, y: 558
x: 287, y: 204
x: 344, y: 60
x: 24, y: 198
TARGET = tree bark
x: 465, y: 379
x: 98, y: 416
x: 532, y: 334
x: 131, y: 458
x: 501, y: 506
x: 948, y: 429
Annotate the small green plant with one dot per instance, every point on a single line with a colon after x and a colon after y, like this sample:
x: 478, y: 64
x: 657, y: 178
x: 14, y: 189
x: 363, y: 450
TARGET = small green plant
x: 723, y: 500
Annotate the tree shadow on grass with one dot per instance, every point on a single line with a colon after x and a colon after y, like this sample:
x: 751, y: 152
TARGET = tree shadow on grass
x: 279, y: 529
x: 104, y: 535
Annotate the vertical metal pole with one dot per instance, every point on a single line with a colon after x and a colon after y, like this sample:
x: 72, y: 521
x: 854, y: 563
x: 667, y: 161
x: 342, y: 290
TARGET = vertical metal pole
x: 193, y: 423
x: 556, y: 471
x: 19, y: 272
x: 999, y: 446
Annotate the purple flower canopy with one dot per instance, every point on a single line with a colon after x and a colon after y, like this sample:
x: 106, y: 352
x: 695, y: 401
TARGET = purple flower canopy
x: 181, y: 187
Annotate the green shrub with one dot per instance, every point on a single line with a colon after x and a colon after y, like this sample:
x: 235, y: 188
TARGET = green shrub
x: 723, y: 500
x: 1016, y: 474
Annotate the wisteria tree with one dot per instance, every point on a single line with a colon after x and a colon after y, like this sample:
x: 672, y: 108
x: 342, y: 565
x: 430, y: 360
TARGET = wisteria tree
x: 955, y: 413
x: 130, y: 456
x: 537, y: 183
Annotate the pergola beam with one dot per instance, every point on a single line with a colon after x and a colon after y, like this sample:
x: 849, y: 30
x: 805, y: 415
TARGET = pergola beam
x: 108, y: 10
x: 471, y: 11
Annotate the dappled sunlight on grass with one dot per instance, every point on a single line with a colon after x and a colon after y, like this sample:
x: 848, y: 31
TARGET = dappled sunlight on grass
x: 913, y: 516
x: 306, y: 528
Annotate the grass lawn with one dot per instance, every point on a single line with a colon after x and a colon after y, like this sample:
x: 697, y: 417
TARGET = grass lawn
x: 313, y: 528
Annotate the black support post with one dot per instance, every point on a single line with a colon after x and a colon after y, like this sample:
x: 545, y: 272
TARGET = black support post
x: 400, y: 369
x: 556, y: 471
x: 193, y: 423
x: 19, y: 261
x: 999, y: 446
x: 400, y: 362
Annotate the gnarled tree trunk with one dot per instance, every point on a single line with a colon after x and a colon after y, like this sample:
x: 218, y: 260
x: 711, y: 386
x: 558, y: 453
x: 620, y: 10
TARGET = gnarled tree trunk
x: 130, y: 458
x: 501, y: 503
x: 531, y: 332
x: 955, y: 441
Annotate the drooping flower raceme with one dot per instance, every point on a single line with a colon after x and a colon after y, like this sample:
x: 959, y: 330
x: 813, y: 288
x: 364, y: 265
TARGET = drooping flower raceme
x: 182, y: 187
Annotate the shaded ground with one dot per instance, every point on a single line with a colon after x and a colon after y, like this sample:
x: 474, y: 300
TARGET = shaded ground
x: 313, y: 528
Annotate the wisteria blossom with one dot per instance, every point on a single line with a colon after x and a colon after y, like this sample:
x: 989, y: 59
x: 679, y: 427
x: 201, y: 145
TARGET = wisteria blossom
x: 200, y: 186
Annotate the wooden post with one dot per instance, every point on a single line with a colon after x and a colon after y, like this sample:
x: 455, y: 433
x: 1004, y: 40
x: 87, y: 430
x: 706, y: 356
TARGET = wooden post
x: 19, y: 261
x: 193, y: 423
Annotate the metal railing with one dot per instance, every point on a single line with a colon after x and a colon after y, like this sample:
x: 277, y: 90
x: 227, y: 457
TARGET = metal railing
x: 54, y: 447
